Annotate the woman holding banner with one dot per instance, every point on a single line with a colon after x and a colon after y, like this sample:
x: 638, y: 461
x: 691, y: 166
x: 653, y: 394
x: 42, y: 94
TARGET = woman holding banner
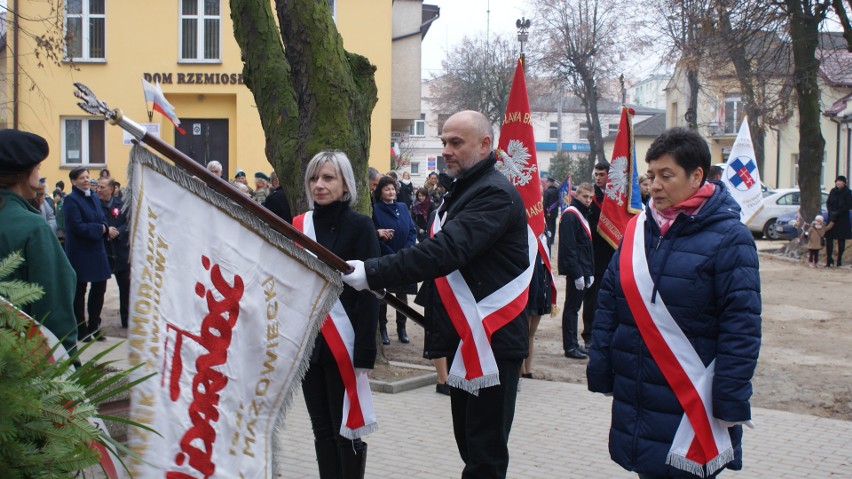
x: 346, y: 346
x: 677, y: 329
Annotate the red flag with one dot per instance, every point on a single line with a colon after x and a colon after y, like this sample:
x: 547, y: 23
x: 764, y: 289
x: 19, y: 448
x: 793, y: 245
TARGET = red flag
x: 517, y: 160
x: 622, y: 198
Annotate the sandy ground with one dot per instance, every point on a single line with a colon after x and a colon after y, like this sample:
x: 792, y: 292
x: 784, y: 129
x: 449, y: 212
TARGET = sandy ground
x: 805, y: 358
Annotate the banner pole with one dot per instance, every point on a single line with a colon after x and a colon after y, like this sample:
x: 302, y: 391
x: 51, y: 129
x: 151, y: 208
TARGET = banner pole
x: 92, y: 105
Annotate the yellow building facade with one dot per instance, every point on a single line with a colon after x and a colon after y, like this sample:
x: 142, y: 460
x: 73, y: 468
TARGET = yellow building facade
x: 188, y: 47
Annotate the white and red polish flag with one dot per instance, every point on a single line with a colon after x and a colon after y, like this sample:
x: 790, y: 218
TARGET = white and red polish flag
x: 622, y: 197
x: 516, y: 159
x: 154, y: 94
x: 225, y: 310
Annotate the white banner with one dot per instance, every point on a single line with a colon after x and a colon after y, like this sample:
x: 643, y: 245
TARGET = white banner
x: 741, y: 176
x: 225, y: 311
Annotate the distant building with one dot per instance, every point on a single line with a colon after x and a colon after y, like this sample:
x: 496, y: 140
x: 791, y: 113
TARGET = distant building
x: 649, y: 92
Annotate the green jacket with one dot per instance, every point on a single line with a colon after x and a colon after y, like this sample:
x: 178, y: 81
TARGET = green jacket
x: 22, y: 228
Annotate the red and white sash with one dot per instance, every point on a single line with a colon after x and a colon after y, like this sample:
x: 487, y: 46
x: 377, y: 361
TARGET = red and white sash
x: 359, y: 416
x: 474, y: 366
x: 583, y: 221
x: 701, y: 445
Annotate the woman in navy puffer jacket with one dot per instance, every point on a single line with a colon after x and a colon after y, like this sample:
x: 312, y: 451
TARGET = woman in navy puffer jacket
x: 703, y: 266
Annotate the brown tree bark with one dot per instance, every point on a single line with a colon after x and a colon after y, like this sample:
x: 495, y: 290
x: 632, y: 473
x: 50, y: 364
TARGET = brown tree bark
x: 311, y: 94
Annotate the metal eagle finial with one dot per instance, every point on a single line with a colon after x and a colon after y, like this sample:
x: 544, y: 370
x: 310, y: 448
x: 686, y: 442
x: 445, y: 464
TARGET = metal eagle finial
x: 90, y: 103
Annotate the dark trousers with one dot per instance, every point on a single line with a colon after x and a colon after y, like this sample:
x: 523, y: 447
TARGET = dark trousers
x: 829, y: 251
x: 122, y: 278
x: 481, y: 424
x: 323, y: 391
x: 573, y: 301
x: 94, y: 305
x: 590, y: 303
x: 383, y: 312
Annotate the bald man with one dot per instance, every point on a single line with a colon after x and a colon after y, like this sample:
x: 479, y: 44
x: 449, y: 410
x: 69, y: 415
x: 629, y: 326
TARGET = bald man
x: 479, y: 246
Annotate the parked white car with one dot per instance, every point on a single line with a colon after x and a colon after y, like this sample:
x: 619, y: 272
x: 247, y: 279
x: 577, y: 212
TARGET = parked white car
x: 776, y: 203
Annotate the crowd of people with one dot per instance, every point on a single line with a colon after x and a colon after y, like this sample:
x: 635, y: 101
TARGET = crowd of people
x: 669, y: 317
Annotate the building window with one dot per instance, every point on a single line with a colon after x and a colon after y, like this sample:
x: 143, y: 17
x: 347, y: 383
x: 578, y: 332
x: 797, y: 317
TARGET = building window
x: 332, y: 6
x: 613, y: 128
x: 83, y: 142
x: 554, y: 131
x: 415, y: 167
x: 419, y: 127
x: 200, y: 30
x: 794, y: 160
x: 584, y: 131
x: 85, y: 30
x: 733, y: 113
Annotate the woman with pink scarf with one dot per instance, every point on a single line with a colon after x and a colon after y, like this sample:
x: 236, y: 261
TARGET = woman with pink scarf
x: 676, y: 333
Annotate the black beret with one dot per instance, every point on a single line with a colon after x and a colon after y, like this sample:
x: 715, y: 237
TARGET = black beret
x: 261, y: 176
x: 20, y: 150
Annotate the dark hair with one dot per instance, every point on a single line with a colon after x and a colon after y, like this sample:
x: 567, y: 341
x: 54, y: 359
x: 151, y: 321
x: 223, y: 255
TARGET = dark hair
x: 687, y: 147
x: 603, y: 165
x: 422, y: 191
x: 104, y: 173
x: 76, y: 172
x: 715, y: 173
x: 60, y: 184
x: 383, y: 181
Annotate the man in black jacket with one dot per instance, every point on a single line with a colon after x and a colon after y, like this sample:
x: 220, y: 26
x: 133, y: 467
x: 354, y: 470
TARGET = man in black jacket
x: 277, y: 202
x: 602, y: 249
x: 551, y: 209
x: 484, y: 237
x: 117, y: 243
x: 577, y: 264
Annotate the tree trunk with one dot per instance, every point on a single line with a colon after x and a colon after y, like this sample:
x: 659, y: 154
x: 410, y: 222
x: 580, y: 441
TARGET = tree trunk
x: 804, y: 34
x: 596, y: 144
x: 311, y: 96
x: 747, y: 79
x: 692, y: 81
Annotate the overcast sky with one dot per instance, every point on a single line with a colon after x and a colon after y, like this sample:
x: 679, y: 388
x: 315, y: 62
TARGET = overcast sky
x: 460, y: 18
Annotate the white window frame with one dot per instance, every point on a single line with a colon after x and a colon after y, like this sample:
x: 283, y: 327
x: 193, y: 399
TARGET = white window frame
x: 84, y: 142
x: 418, y: 129
x: 415, y: 167
x: 553, y: 132
x: 583, y: 134
x: 733, y: 101
x: 200, y: 18
x: 85, y: 19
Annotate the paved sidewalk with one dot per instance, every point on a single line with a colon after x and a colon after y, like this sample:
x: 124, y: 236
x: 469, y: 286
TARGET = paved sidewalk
x: 560, y: 431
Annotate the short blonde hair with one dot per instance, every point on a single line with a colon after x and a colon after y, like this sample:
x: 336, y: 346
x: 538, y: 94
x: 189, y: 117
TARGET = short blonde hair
x: 341, y: 163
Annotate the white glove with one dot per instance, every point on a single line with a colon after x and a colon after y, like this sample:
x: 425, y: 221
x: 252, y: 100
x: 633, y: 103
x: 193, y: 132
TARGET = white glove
x: 591, y: 281
x: 728, y: 424
x: 579, y: 284
x: 357, y: 279
x: 359, y: 371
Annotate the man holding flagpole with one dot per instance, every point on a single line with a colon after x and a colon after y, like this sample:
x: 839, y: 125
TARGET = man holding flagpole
x: 476, y: 271
x: 677, y: 330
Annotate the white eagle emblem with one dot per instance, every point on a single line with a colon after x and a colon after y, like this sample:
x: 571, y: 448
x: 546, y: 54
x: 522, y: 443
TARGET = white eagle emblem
x: 616, y: 187
x: 514, y: 165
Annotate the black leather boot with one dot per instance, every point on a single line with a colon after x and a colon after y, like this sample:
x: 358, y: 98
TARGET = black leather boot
x: 353, y: 459
x: 327, y: 459
x: 403, y: 335
x: 383, y: 330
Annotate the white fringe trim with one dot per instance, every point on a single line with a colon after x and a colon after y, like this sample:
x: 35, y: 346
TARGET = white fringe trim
x: 682, y: 463
x: 362, y: 431
x: 473, y: 386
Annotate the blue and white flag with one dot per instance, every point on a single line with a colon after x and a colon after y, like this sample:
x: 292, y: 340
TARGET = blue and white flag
x: 564, y: 192
x: 741, y: 176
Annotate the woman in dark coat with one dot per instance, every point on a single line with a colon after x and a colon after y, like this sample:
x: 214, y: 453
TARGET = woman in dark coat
x: 420, y: 213
x: 24, y: 229
x: 330, y: 187
x: 392, y: 218
x: 85, y: 230
x: 838, y: 205
x: 676, y: 333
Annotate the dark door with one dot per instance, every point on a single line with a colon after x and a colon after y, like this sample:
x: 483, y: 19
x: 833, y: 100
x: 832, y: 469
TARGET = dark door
x: 206, y: 140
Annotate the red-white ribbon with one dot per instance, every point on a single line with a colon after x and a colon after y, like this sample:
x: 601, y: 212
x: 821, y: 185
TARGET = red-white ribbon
x: 474, y: 366
x: 701, y: 445
x: 583, y: 221
x: 359, y: 415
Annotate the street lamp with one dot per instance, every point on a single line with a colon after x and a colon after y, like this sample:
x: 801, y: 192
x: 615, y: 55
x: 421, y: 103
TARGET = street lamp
x: 523, y: 26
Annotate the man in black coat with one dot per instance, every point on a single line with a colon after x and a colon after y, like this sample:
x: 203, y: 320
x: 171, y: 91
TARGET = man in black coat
x: 551, y: 209
x: 838, y: 204
x: 277, y: 202
x: 484, y: 237
x: 117, y: 243
x: 602, y: 249
x: 577, y: 264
